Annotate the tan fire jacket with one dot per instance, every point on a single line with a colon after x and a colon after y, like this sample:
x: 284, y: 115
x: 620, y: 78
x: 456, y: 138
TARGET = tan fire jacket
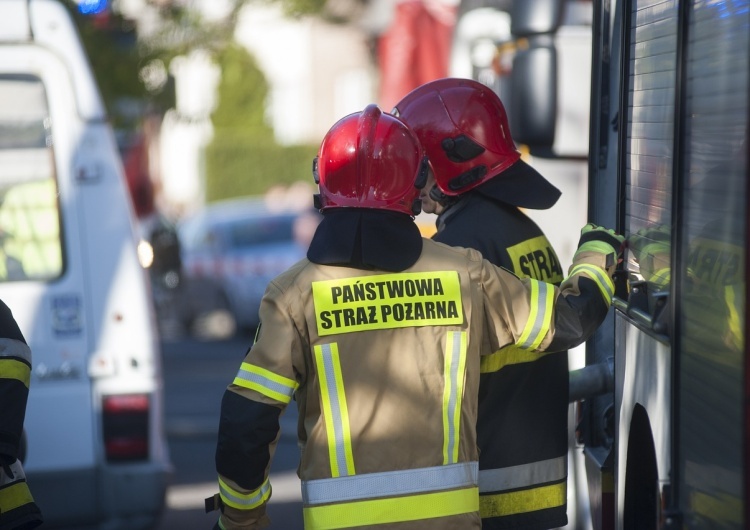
x: 384, y: 368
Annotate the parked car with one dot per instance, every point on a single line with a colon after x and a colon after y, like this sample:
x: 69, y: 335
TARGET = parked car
x: 230, y: 251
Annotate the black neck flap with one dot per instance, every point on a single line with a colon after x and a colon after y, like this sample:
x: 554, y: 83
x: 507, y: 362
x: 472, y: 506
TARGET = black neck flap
x: 366, y: 239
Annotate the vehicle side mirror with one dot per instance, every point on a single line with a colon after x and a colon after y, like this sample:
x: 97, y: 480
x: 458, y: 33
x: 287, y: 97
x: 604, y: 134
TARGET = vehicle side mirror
x: 536, y: 17
x: 533, y: 114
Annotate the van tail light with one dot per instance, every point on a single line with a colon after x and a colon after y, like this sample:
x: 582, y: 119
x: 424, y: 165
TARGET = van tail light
x: 125, y: 425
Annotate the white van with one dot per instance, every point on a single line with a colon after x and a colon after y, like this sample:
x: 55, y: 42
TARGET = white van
x: 97, y: 455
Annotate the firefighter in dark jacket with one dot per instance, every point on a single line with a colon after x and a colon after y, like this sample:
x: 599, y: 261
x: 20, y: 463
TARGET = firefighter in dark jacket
x: 17, y: 508
x: 481, y: 186
x: 377, y: 336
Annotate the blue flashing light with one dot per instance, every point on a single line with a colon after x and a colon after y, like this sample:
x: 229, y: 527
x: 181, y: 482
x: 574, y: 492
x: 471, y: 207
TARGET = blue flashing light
x: 92, y: 7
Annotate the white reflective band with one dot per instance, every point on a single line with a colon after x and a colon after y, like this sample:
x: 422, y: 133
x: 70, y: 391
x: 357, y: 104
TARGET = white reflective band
x: 266, y: 382
x: 241, y: 501
x: 389, y: 483
x: 455, y: 366
x: 523, y: 476
x: 542, y: 295
x: 15, y: 348
x: 335, y: 412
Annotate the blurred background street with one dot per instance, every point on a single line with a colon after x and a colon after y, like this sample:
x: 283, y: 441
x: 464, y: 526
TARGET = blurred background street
x: 196, y: 374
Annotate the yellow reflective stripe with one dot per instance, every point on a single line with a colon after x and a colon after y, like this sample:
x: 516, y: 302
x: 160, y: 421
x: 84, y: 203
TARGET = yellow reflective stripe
x: 523, y: 501
x: 266, y: 382
x: 386, y: 301
x: 540, y: 315
x: 244, y: 501
x: 506, y: 356
x: 661, y: 277
x: 735, y: 321
x: 393, y: 510
x: 600, y: 277
x: 335, y: 412
x: 453, y: 390
x: 15, y: 496
x: 15, y: 369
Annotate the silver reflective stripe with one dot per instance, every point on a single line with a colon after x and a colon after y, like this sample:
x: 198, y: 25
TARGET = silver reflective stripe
x: 334, y: 401
x: 523, y: 476
x: 389, y: 483
x: 15, y: 348
x: 453, y: 407
x: 540, y: 321
x: 265, y: 382
x: 246, y: 501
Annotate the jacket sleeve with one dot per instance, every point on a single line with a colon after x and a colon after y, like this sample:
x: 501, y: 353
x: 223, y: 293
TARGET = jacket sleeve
x: 15, y: 375
x: 249, y: 423
x: 537, y: 316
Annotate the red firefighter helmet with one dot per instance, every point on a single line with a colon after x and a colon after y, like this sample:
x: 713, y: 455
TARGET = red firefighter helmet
x: 370, y: 159
x: 463, y: 127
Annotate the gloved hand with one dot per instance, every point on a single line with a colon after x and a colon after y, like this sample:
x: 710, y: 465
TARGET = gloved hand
x: 596, y: 238
x: 649, y: 241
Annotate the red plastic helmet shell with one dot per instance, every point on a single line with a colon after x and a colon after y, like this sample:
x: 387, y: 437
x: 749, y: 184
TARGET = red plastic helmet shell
x: 369, y: 159
x: 464, y: 130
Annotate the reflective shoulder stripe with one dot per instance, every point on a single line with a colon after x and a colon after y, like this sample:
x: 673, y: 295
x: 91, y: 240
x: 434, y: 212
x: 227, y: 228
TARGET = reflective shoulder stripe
x: 523, y: 476
x: 540, y: 316
x: 244, y: 501
x: 389, y: 483
x: 15, y: 348
x: 266, y: 382
x: 600, y: 277
x: 391, y: 510
x: 15, y: 369
x: 511, y: 354
x: 335, y: 412
x: 453, y: 391
x: 522, y: 501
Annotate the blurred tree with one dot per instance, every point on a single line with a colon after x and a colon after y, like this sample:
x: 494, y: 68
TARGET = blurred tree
x: 243, y: 157
x: 110, y: 43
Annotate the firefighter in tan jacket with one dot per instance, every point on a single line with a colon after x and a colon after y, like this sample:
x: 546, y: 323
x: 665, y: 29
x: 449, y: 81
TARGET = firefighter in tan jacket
x: 377, y: 336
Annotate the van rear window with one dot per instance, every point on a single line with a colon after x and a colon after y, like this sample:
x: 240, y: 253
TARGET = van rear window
x: 30, y: 244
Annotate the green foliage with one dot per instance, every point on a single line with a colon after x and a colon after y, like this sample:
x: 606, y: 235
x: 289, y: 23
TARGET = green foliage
x: 243, y: 157
x: 242, y: 166
x: 242, y: 95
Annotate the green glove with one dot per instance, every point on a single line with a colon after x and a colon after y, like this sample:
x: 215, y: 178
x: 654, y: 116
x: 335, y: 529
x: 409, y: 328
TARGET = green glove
x: 602, y: 240
x: 651, y: 247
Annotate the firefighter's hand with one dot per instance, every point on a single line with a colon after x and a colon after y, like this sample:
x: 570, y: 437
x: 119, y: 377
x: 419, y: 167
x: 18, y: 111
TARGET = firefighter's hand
x: 596, y: 238
x: 650, y: 241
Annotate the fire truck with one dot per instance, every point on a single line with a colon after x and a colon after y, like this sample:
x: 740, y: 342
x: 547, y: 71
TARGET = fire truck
x: 662, y: 402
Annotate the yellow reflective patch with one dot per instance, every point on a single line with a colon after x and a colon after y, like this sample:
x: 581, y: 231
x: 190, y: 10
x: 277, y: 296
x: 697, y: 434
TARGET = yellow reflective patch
x: 535, y: 258
x: 14, y: 369
x: 524, y: 501
x: 15, y: 496
x: 386, y: 301
x: 511, y: 354
x: 391, y: 510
